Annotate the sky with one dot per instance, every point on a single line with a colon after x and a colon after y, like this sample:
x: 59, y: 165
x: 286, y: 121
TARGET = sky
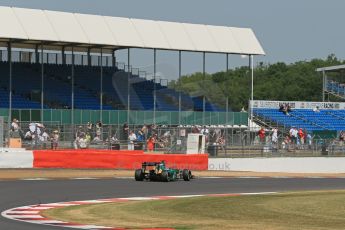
x: 289, y: 30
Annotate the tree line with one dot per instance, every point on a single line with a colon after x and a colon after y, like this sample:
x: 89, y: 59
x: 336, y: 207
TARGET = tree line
x: 297, y: 81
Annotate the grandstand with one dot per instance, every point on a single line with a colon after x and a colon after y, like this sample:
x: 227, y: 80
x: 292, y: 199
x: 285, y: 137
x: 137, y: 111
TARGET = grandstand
x: 58, y: 88
x: 311, y: 116
x: 333, y: 84
x: 45, y: 74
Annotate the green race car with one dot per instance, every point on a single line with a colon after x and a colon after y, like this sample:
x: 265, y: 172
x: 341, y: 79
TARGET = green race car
x: 157, y: 171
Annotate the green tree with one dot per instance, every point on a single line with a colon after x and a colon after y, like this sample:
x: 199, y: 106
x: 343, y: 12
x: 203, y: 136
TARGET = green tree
x: 279, y: 81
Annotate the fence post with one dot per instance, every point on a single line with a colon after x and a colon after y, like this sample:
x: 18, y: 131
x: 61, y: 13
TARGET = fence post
x: 1, y: 132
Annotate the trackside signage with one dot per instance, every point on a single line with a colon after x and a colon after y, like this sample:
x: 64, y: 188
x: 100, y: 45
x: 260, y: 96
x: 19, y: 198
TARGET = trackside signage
x: 256, y: 104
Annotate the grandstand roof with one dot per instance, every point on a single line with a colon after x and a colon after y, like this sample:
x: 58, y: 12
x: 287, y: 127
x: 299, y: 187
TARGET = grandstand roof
x: 28, y: 27
x: 331, y: 68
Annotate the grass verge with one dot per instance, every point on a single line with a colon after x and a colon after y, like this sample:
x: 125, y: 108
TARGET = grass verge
x: 300, y: 210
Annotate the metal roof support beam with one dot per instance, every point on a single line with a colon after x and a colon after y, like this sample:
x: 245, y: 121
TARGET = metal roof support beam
x: 42, y: 82
x: 89, y: 56
x: 251, y: 67
x: 154, y: 84
x: 37, y: 58
x: 203, y: 97
x: 9, y: 58
x: 101, y: 88
x: 113, y: 59
x: 72, y: 93
x: 128, y: 84
x: 179, y: 82
x: 63, y: 56
x: 227, y: 97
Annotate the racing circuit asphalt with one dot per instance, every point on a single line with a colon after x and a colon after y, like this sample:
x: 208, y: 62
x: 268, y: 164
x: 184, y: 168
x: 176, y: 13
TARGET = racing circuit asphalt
x: 20, y: 193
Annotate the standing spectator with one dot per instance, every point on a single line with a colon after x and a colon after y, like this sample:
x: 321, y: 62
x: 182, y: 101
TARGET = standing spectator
x: 301, y: 136
x: 140, y: 136
x: 144, y: 130
x: 151, y: 143
x: 55, y: 139
x: 204, y: 131
x: 44, y: 138
x: 132, y: 137
x: 89, y: 127
x: 293, y: 134
x: 15, y: 125
x: 99, y: 127
x: 125, y: 130
x: 341, y: 138
x: 15, y: 129
x: 262, y: 135
x: 275, y: 137
x: 309, y: 140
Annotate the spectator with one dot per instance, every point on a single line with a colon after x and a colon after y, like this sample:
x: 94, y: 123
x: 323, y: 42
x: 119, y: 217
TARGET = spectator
x: 55, y: 139
x: 79, y: 132
x: 82, y: 142
x: 288, y: 109
x: 144, y: 130
x: 281, y: 108
x: 204, y: 131
x: 88, y: 137
x: 286, y: 142
x: 45, y: 136
x: 293, y: 134
x: 309, y: 140
x: 243, y: 110
x: 28, y: 136
x: 89, y: 127
x: 301, y: 136
x: 140, y: 136
x: 15, y: 129
x: 14, y: 125
x: 125, y: 130
x: 132, y: 137
x: 97, y: 139
x: 151, y: 143
x: 195, y: 129
x: 99, y: 127
x: 341, y: 138
x: 275, y: 137
x: 262, y: 135
x: 316, y: 109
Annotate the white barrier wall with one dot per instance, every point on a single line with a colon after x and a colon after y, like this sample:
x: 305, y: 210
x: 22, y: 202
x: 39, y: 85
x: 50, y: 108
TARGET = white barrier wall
x: 16, y: 158
x: 281, y: 164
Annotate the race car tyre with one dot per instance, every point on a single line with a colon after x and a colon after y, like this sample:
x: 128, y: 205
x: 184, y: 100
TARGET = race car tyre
x: 139, y: 175
x: 165, y: 176
x: 186, y: 175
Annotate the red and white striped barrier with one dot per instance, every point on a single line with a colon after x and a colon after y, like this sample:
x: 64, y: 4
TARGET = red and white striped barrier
x: 32, y: 213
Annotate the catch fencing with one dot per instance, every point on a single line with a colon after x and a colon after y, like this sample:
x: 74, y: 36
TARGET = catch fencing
x: 220, y: 141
